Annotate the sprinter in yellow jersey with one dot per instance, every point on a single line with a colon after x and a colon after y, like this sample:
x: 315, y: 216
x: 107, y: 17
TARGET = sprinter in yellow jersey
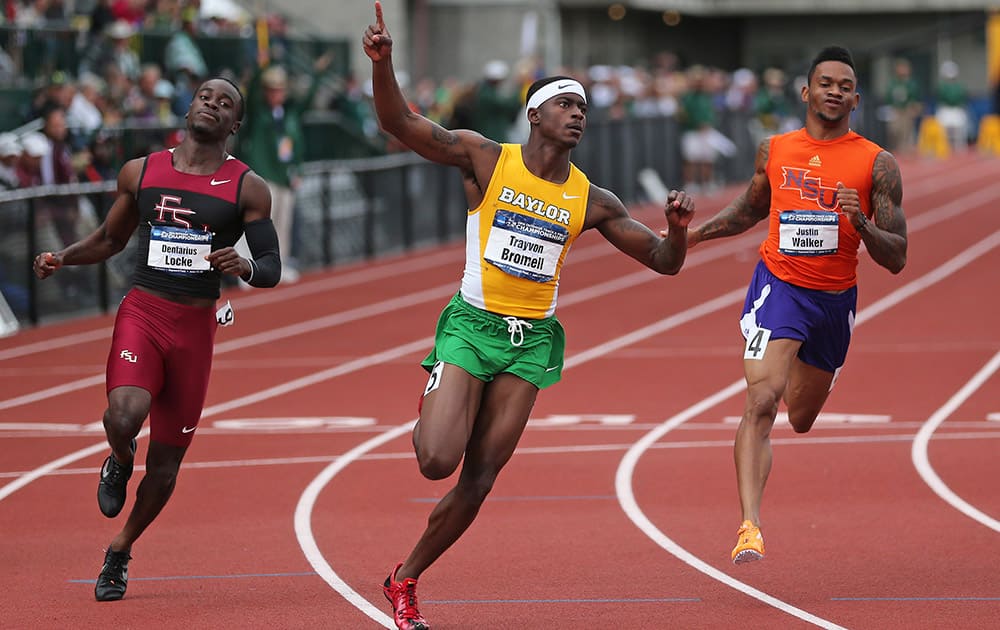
x: 825, y: 190
x: 498, y: 341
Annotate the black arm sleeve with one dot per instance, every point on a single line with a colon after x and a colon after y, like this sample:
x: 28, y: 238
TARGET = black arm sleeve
x: 265, y: 266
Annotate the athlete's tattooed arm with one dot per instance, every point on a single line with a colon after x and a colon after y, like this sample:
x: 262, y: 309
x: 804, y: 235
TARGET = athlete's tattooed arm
x: 744, y: 212
x: 608, y: 214
x: 886, y: 239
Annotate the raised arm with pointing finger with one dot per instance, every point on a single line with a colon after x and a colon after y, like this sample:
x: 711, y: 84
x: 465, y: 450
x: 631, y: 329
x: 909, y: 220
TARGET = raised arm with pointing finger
x: 498, y: 340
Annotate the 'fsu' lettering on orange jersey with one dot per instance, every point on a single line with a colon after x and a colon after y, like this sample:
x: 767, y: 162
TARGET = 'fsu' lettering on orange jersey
x: 810, y: 242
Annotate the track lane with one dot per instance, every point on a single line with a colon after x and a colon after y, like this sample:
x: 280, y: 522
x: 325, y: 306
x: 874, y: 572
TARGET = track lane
x: 404, y: 367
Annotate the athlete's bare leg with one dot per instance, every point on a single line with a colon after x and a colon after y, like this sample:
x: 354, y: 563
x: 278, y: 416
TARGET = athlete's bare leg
x: 766, y: 382
x: 503, y: 414
x: 127, y: 409
x: 807, y: 391
x: 447, y: 415
x: 162, y: 463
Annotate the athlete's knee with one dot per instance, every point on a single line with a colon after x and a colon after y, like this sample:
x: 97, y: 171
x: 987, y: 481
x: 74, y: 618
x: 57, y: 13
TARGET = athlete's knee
x: 801, y: 421
x: 161, y: 477
x: 762, y: 404
x: 436, y: 464
x: 127, y: 410
x: 122, y: 422
x: 475, y: 488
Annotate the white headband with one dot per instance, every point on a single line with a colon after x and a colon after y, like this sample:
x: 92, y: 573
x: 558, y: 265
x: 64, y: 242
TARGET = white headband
x: 549, y: 90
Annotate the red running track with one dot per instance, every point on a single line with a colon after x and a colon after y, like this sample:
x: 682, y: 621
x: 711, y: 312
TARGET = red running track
x: 619, y: 509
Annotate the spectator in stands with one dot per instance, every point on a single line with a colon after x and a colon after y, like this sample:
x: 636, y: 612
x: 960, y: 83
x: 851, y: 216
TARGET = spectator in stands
x: 163, y: 113
x: 165, y: 18
x: 701, y: 141
x: 34, y: 148
x: 57, y: 90
x: 133, y: 12
x: 183, y: 61
x: 84, y: 111
x: 12, y: 220
x: 140, y: 102
x: 952, y: 103
x: 10, y: 154
x: 101, y: 17
x: 773, y: 105
x: 114, y: 49
x: 354, y: 106
x: 57, y: 168
x: 905, y: 105
x: 273, y: 144
x: 103, y: 163
x: 31, y: 14
x: 8, y: 69
x: 487, y: 107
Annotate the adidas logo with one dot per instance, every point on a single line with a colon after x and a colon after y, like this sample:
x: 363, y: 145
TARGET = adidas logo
x: 815, y: 161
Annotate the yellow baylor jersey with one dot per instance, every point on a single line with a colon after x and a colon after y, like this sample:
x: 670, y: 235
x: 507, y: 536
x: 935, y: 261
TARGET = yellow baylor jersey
x: 518, y: 238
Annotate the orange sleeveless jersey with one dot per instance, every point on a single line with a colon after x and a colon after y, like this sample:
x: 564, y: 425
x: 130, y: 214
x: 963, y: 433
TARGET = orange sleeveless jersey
x: 810, y: 242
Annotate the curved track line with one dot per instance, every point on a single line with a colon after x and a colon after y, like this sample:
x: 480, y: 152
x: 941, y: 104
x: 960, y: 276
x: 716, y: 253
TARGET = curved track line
x: 303, y: 512
x: 623, y: 477
x: 54, y: 465
x: 623, y: 488
x: 919, y: 451
x: 323, y: 568
x: 303, y: 523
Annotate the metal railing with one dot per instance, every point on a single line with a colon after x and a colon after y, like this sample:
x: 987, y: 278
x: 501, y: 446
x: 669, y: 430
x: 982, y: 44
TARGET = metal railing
x: 346, y: 211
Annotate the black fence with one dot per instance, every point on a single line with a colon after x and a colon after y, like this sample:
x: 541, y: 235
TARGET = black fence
x: 346, y: 211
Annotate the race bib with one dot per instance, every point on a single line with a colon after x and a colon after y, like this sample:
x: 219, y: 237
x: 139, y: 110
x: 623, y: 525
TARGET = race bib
x: 178, y: 250
x: 525, y: 247
x: 808, y: 232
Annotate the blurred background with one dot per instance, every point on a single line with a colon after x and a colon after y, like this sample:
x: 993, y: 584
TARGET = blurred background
x: 681, y: 91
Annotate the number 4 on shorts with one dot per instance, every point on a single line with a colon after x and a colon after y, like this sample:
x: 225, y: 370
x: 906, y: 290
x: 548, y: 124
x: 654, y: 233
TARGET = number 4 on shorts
x: 756, y: 344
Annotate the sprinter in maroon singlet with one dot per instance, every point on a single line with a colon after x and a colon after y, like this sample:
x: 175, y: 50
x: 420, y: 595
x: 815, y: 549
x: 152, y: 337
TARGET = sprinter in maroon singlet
x: 190, y: 205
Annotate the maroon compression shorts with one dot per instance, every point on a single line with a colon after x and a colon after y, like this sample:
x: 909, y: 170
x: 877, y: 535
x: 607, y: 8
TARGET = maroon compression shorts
x: 165, y: 348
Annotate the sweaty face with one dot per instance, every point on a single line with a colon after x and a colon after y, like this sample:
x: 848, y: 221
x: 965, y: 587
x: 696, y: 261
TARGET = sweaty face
x: 215, y: 109
x: 832, y: 92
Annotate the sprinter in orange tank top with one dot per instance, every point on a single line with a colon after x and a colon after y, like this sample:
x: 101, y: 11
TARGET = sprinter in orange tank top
x: 498, y: 341
x: 824, y: 190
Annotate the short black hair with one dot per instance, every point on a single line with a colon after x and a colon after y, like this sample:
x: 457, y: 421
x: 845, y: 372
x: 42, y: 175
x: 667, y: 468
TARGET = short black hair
x: 539, y: 84
x: 831, y: 53
x: 243, y: 101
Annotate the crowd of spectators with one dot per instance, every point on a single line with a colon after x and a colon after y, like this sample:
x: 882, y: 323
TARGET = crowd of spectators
x: 113, y: 104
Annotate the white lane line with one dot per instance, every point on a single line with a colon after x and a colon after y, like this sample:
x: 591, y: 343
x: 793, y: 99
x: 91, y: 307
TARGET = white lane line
x: 392, y: 305
x: 695, y: 259
x: 626, y: 470
x: 359, y: 364
x: 605, y: 447
x: 303, y: 523
x: 303, y: 511
x: 921, y: 461
x: 50, y: 467
x: 255, y: 299
x: 11, y: 487
x: 387, y: 269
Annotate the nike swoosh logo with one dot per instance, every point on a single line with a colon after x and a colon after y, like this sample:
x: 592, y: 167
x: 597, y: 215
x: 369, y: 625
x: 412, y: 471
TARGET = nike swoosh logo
x: 562, y: 87
x: 215, y: 182
x: 188, y: 429
x: 565, y: 196
x: 551, y: 368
